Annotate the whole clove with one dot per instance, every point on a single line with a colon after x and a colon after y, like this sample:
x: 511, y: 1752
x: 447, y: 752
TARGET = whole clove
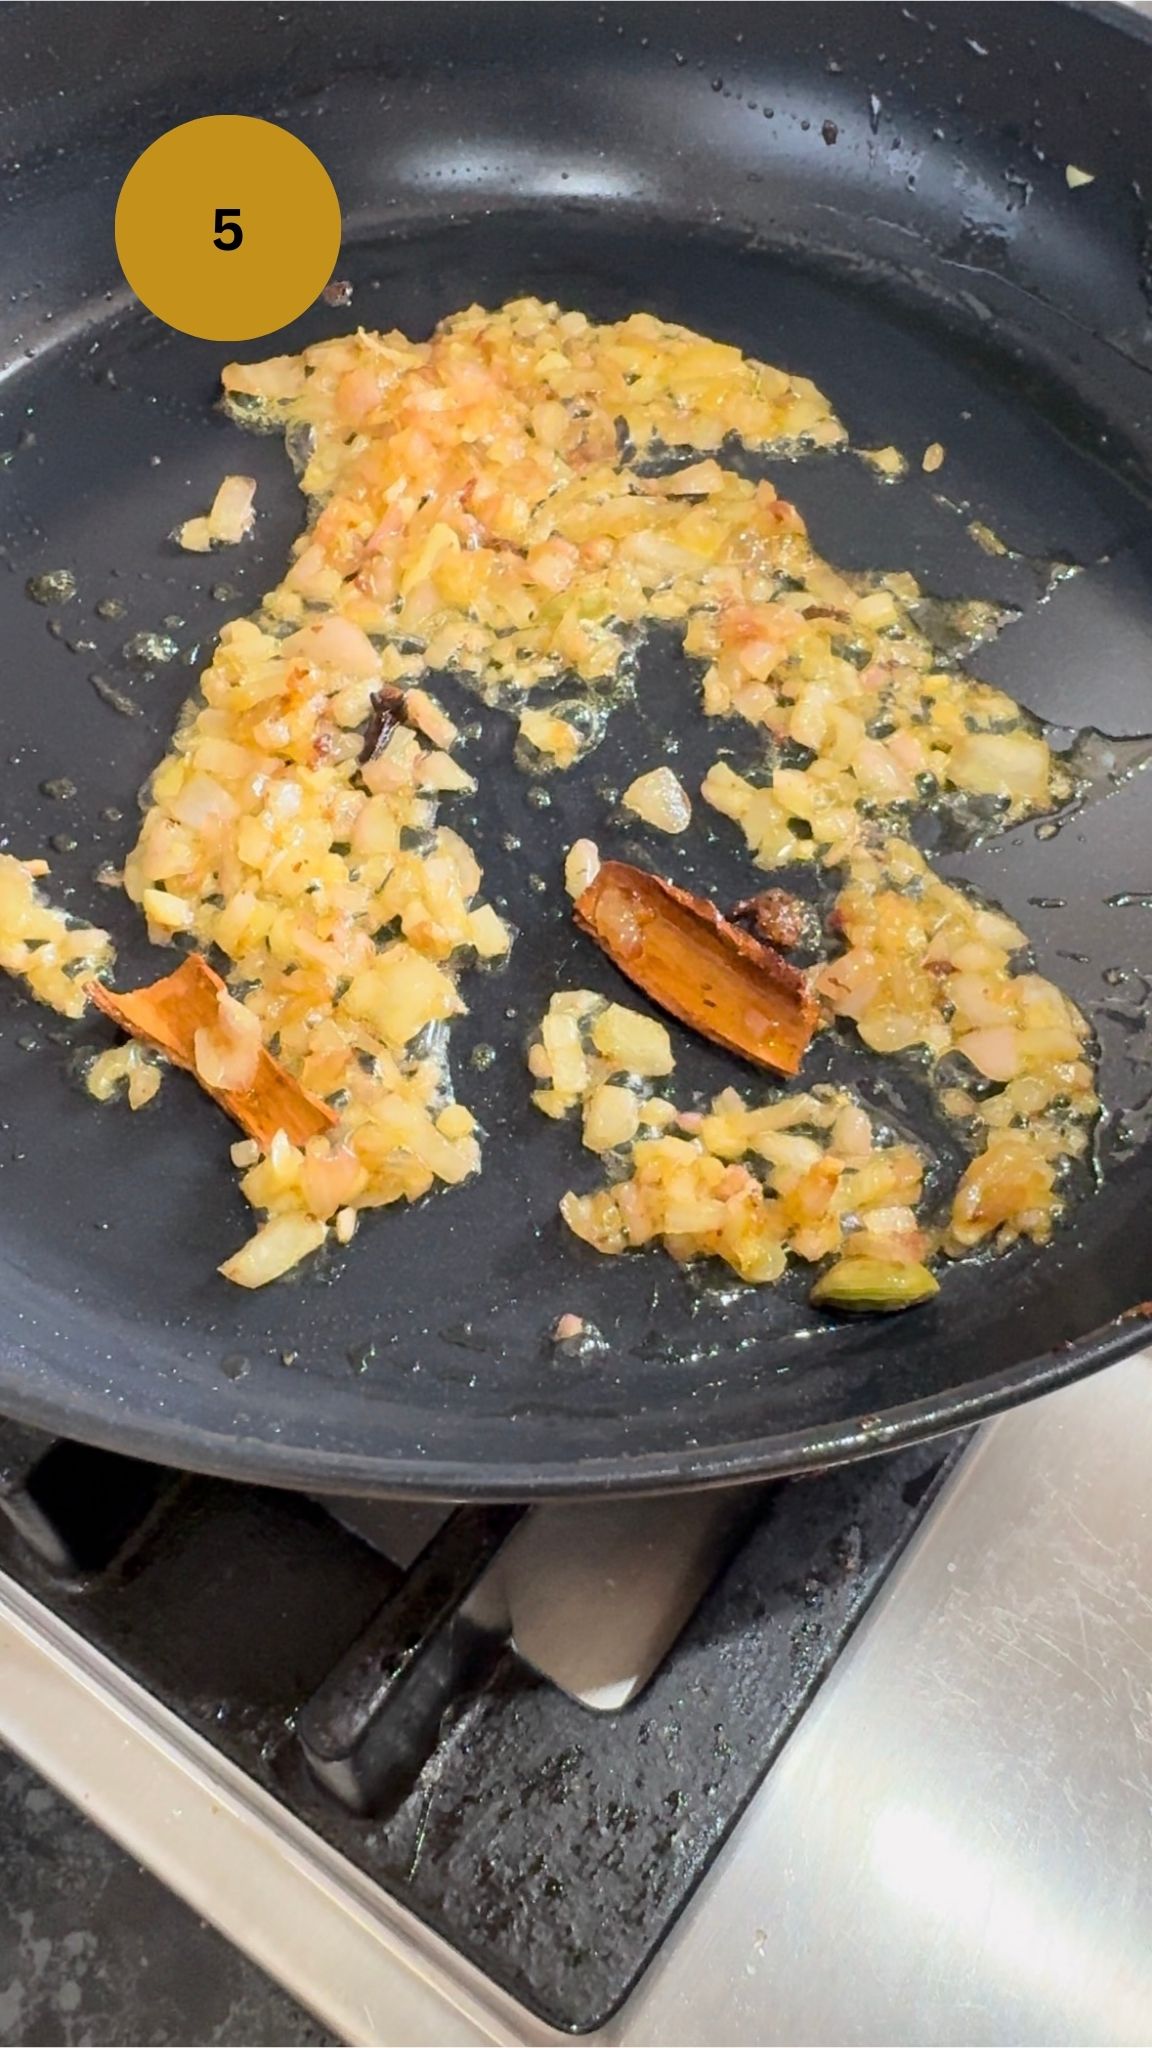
x: 389, y: 709
x: 775, y: 916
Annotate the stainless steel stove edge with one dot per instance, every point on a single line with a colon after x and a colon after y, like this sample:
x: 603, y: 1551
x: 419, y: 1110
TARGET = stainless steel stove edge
x: 953, y: 1847
x: 370, y: 1972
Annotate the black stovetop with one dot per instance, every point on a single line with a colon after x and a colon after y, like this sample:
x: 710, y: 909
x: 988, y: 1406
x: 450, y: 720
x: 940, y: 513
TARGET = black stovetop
x: 551, y: 1844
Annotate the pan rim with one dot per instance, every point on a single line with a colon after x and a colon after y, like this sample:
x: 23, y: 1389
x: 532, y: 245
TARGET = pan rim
x: 791, y: 1454
x: 1121, y: 14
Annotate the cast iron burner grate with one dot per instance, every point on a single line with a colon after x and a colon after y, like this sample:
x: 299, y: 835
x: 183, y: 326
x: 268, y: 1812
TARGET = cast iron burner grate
x: 552, y: 1845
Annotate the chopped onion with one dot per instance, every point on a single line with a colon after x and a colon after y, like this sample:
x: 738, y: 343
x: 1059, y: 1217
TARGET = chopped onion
x: 336, y: 644
x: 231, y: 518
x: 227, y: 1056
x: 232, y: 515
x: 581, y: 866
x: 277, y: 1246
x: 994, y: 1052
x: 660, y: 800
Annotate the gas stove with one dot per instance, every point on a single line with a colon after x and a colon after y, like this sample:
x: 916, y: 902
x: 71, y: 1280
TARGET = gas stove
x: 860, y: 1756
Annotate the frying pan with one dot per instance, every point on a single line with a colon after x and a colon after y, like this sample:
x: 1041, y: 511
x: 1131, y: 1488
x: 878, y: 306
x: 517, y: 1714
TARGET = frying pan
x: 876, y: 196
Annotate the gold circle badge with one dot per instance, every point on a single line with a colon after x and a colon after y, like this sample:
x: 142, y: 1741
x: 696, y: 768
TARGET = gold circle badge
x: 228, y: 227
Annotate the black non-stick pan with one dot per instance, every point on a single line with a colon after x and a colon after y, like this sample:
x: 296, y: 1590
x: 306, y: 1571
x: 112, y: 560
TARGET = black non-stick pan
x: 877, y: 196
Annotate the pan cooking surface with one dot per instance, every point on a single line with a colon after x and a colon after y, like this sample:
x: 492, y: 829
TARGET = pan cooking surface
x: 421, y: 1354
